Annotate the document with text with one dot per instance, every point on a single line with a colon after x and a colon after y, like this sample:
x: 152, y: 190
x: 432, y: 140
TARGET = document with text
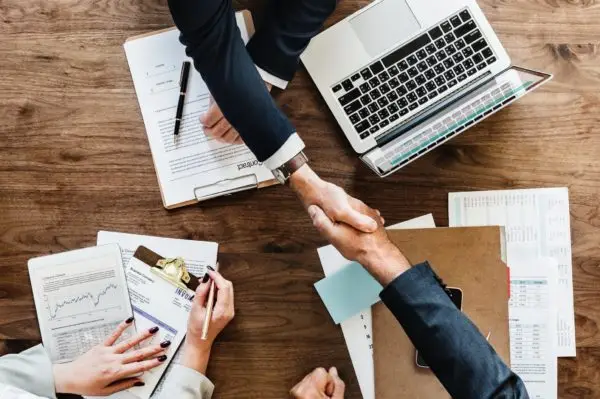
x: 192, y: 166
x: 80, y: 297
x: 537, y: 224
x: 532, y: 322
x: 358, y: 330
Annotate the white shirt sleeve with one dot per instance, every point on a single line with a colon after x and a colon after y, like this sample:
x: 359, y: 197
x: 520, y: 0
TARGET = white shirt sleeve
x: 272, y: 79
x: 185, y: 383
x: 287, y: 151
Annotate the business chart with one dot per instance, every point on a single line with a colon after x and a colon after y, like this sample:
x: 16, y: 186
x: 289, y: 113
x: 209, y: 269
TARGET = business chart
x: 80, y: 301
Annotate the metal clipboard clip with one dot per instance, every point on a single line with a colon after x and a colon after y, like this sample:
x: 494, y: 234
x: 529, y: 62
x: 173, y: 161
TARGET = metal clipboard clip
x: 226, y: 187
x: 174, y: 271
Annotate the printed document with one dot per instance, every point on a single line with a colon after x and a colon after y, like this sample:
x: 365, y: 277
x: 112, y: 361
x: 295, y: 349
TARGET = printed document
x: 358, y: 330
x: 537, y: 224
x: 192, y: 165
x: 532, y: 321
x: 80, y: 297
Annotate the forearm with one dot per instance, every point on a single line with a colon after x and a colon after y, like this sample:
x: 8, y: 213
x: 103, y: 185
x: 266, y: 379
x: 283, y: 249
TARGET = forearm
x: 457, y: 353
x: 211, y: 36
x: 285, y: 32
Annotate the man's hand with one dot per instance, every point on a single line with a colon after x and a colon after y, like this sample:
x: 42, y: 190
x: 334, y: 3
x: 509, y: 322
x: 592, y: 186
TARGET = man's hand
x: 216, y: 126
x: 320, y: 384
x: 338, y: 206
x: 374, y: 251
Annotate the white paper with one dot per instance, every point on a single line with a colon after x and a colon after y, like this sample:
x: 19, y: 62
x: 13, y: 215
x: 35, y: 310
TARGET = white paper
x: 192, y: 161
x: 532, y: 321
x: 157, y: 303
x: 80, y: 297
x: 358, y: 330
x: 537, y: 224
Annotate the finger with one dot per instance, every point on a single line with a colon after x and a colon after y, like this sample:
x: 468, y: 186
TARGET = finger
x: 212, y: 116
x: 122, y: 385
x: 114, y: 337
x: 320, y: 379
x: 338, y: 384
x: 322, y: 223
x: 219, y: 280
x: 360, y: 216
x: 358, y: 220
x: 130, y: 343
x: 202, y: 293
x: 144, y: 353
x: 219, y: 130
x: 224, y: 306
x: 230, y: 136
x: 132, y: 369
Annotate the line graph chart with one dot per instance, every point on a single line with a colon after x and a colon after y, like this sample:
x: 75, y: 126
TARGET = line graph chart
x: 84, y: 303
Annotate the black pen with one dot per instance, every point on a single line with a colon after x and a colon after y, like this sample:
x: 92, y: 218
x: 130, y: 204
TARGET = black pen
x: 183, y: 81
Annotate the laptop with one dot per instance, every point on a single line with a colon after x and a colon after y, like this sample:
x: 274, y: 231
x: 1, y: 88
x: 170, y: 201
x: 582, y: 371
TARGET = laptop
x: 402, y: 77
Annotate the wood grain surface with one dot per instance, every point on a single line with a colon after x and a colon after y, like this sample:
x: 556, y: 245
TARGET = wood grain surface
x: 75, y: 160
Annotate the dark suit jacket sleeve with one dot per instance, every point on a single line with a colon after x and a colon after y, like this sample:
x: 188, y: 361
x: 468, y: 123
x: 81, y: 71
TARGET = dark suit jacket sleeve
x: 212, y: 38
x: 457, y: 353
x: 286, y: 30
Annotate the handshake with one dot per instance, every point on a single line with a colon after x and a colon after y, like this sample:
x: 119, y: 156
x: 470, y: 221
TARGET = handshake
x: 355, y: 229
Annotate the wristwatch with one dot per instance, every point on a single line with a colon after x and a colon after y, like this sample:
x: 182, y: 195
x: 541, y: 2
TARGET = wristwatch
x: 283, y: 173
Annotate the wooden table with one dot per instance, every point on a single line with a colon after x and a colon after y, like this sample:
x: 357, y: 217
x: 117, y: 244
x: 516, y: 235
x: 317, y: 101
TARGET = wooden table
x: 75, y: 159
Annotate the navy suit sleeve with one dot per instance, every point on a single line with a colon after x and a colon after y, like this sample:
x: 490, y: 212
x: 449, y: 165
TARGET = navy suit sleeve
x: 212, y: 39
x: 457, y: 353
x: 285, y: 32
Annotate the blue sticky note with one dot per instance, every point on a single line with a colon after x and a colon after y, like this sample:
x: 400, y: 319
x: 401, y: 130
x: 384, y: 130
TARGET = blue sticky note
x: 348, y: 292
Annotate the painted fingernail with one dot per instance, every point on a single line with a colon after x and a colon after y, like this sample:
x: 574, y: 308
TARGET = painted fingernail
x: 162, y: 358
x: 211, y: 268
x: 129, y: 320
x: 139, y: 384
x: 165, y: 344
x: 153, y: 330
x: 206, y: 277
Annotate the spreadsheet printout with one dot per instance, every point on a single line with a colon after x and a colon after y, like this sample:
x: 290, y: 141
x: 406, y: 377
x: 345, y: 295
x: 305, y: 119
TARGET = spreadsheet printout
x: 537, y: 224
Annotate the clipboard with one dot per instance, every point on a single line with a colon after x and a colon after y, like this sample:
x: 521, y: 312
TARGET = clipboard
x: 226, y: 186
x: 161, y: 292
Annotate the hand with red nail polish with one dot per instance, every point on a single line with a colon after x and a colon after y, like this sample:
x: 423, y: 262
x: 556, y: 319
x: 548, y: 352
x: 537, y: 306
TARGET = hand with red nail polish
x: 110, y: 367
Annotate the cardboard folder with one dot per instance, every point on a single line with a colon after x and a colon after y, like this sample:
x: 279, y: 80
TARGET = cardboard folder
x: 471, y: 259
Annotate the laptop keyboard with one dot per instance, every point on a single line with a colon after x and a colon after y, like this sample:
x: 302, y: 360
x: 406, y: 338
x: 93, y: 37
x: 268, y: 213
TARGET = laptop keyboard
x: 409, y: 78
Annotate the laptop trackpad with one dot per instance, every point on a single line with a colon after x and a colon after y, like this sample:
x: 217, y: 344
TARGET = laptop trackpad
x: 385, y: 25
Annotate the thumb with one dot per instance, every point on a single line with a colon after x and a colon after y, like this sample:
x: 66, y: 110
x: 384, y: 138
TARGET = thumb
x: 359, y: 220
x: 321, y: 221
x: 338, y: 385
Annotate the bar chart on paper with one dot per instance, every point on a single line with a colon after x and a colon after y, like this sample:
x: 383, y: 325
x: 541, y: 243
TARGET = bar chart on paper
x: 80, y: 303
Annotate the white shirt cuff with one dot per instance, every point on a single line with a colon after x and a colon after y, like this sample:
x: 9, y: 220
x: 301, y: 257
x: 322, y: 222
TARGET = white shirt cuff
x: 272, y: 79
x: 287, y: 151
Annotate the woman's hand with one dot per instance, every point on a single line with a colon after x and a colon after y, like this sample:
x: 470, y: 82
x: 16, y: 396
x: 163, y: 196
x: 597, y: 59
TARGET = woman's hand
x: 196, y: 350
x: 320, y: 384
x: 109, y: 368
